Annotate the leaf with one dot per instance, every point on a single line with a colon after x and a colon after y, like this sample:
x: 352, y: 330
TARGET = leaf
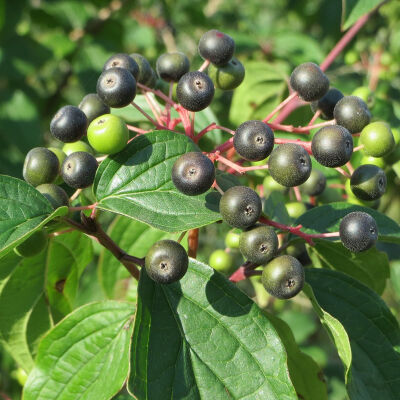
x: 274, y: 207
x: 372, y: 329
x: 202, y: 338
x: 23, y: 210
x: 85, y: 356
x: 352, y: 10
x: 327, y: 218
x: 137, y: 183
x: 371, y: 267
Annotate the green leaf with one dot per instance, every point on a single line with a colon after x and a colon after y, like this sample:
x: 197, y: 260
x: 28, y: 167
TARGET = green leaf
x: 85, y: 356
x: 137, y: 183
x: 352, y: 10
x: 23, y: 210
x: 372, y: 329
x: 202, y: 338
x: 371, y: 267
x: 274, y: 207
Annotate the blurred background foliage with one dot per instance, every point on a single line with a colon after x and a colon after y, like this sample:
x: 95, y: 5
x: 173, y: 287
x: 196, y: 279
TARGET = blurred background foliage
x: 52, y: 51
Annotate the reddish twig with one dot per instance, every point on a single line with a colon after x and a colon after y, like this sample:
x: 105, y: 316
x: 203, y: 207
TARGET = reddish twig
x: 140, y: 109
x: 280, y: 106
x: 297, y: 193
x: 305, y: 145
x: 193, y: 242
x: 204, y: 66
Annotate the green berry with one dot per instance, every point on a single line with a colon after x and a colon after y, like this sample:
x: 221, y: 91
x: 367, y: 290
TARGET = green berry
x: 61, y: 157
x: 232, y: 240
x: 220, y: 260
x: 352, y: 113
x: 55, y: 194
x: 69, y: 124
x: 378, y: 161
x: 315, y: 184
x: 271, y: 185
x: 229, y: 76
x: 33, y: 245
x: 368, y: 182
x: 377, y: 139
x: 365, y: 94
x: 41, y: 166
x: 79, y: 169
x: 93, y: 107
x: 295, y: 209
x: 70, y: 148
x: 172, y: 66
x: 327, y: 103
x: 217, y: 47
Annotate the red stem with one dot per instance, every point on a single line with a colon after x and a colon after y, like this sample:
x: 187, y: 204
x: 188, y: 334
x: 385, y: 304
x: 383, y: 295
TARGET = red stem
x: 280, y: 106
x: 305, y: 145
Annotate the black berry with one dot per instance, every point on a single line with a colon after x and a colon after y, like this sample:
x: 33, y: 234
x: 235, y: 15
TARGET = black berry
x: 368, y: 182
x: 327, y: 103
x: 217, y: 47
x: 79, y: 169
x: 352, y: 113
x: 171, y: 66
x: 55, y: 194
x: 122, y: 60
x: 69, y: 124
x: 41, y: 166
x: 93, y: 107
x: 315, y: 184
x: 145, y: 70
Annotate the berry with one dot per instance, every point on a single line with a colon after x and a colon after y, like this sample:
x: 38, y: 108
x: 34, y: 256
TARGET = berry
x: 327, y: 103
x: 32, y: 246
x: 309, y: 81
x: 229, y: 76
x: 145, y: 70
x: 240, y: 207
x: 61, y: 157
x: 271, y: 185
x: 283, y: 277
x: 220, y: 260
x: 122, y: 60
x: 253, y: 140
x: 166, y: 261
x: 41, y: 166
x: 79, y: 169
x: 116, y: 87
x: 258, y: 244
x: 195, y: 91
x: 352, y: 113
x: 70, y: 148
x: 171, y: 66
x: 368, y: 182
x: 55, y: 194
x: 315, y: 184
x: 365, y: 94
x: 108, y: 134
x: 295, y: 209
x: 379, y: 162
x: 69, y: 124
x: 217, y: 47
x: 193, y: 173
x: 377, y: 139
x: 289, y: 164
x: 358, y: 231
x: 232, y: 240
x: 93, y: 107
x: 332, y: 146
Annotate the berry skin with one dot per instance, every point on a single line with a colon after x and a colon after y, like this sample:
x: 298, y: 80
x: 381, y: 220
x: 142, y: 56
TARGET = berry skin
x: 332, y: 146
x: 368, y: 182
x: 193, y: 173
x: 295, y: 209
x: 61, y: 157
x: 327, y: 103
x: 220, y: 260
x: 195, y: 91
x: 377, y: 139
x: 41, y: 166
x: 352, y: 113
x: 253, y: 140
x: 240, y: 207
x: 232, y: 240
x: 79, y: 169
x: 93, y: 107
x: 55, y: 194
x: 309, y: 81
x: 283, y: 277
x: 108, y: 134
x: 271, y: 185
x: 172, y: 66
x: 217, y: 47
x: 122, y: 60
x: 116, y: 87
x: 315, y: 184
x: 289, y: 164
x: 70, y: 148
x: 166, y: 262
x: 258, y: 244
x: 229, y: 76
x: 68, y: 124
x: 145, y: 70
x: 365, y: 94
x: 358, y: 231
x: 32, y: 246
x: 379, y: 162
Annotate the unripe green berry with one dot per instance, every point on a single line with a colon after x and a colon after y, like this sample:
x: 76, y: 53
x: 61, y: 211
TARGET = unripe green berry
x: 229, y: 76
x: 70, y: 148
x: 232, y: 240
x: 295, y: 209
x: 220, y: 260
x: 377, y: 139
x: 55, y: 194
x: 368, y: 182
x: 315, y: 184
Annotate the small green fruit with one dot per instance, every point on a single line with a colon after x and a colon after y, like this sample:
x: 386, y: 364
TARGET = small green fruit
x: 377, y: 139
x: 74, y: 147
x: 220, y: 260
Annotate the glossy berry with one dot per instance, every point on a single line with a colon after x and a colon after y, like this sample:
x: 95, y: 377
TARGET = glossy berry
x: 70, y: 148
x: 55, y: 194
x: 368, y: 182
x: 295, y: 209
x: 61, y: 157
x: 377, y: 139
x: 220, y: 260
x: 145, y: 70
x: 358, y: 231
x: 258, y: 244
x: 289, y: 164
x: 309, y: 81
x: 326, y: 104
x: 195, y: 91
x: 116, y: 87
x: 152, y: 81
x: 352, y: 113
x: 228, y: 76
x: 253, y: 140
x: 93, y: 107
x: 332, y: 146
x: 193, y: 173
x: 232, y: 240
x: 108, y: 134
x: 171, y: 66
x: 283, y: 277
x: 34, y: 245
x: 68, y: 124
x: 315, y: 184
x: 240, y: 207
x: 217, y: 47
x: 78, y: 170
x: 41, y: 166
x: 166, y: 262
x: 122, y: 60
x: 378, y: 161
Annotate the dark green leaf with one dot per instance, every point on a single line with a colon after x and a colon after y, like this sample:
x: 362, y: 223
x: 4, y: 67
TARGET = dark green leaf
x: 274, y: 208
x: 352, y: 10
